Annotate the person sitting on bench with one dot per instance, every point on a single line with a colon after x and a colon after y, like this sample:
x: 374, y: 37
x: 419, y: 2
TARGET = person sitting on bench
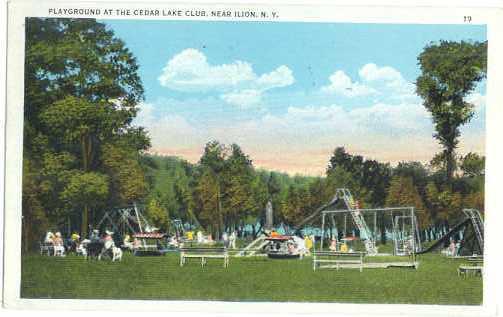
x: 59, y: 248
x: 127, y: 242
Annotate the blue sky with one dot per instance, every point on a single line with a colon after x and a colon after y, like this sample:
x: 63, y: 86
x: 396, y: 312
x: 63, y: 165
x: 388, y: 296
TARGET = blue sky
x: 289, y: 93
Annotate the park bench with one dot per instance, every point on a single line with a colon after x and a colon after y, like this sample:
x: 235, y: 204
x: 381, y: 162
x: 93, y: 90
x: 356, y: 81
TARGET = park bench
x: 328, y: 259
x: 475, y: 266
x: 204, y: 254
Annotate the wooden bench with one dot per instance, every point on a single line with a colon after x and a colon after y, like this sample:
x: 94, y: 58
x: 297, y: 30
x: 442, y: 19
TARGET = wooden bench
x: 475, y: 266
x: 204, y: 254
x: 338, y: 260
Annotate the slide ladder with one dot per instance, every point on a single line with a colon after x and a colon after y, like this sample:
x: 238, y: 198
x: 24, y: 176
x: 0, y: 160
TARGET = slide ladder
x: 255, y: 246
x: 478, y: 225
x: 354, y: 208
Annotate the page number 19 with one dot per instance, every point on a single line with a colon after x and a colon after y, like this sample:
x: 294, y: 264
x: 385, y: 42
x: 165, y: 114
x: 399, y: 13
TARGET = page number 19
x: 467, y: 18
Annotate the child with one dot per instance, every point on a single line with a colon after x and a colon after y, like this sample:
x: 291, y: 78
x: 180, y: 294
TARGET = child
x: 333, y: 245
x: 344, y: 247
x: 452, y: 248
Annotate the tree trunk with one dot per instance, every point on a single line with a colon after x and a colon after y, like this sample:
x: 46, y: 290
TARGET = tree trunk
x: 85, y: 220
x: 450, y: 160
x: 85, y: 141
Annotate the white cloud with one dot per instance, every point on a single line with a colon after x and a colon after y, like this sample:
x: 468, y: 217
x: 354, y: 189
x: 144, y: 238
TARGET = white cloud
x: 383, y: 83
x: 478, y: 100
x: 246, y: 98
x: 167, y: 129
x: 237, y: 83
x: 372, y: 72
x: 302, y: 138
x: 280, y: 77
x: 190, y: 71
x: 340, y: 83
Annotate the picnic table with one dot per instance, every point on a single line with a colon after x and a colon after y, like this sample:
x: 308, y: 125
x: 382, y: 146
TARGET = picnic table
x: 204, y: 254
x: 331, y: 259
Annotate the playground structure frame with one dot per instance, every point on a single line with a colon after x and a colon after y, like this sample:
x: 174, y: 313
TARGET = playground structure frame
x: 401, y: 213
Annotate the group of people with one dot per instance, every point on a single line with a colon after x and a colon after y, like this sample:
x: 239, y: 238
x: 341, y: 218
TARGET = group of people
x: 335, y: 246
x: 229, y: 240
x: 453, y: 249
x: 131, y: 244
x: 53, y: 243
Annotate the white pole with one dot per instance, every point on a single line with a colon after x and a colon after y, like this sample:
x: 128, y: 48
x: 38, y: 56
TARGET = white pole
x: 137, y: 217
x: 322, y: 231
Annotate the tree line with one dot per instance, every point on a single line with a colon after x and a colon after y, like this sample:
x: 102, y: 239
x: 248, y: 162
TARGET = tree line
x: 224, y: 191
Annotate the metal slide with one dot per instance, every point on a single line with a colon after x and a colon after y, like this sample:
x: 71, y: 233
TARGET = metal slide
x: 472, y: 216
x: 255, y: 246
x: 478, y: 225
x: 446, y: 238
x: 365, y: 233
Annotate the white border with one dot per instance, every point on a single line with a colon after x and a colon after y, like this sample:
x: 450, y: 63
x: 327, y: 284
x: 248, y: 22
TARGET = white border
x: 391, y: 11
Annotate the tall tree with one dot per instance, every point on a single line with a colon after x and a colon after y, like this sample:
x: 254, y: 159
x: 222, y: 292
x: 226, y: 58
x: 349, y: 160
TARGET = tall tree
x: 449, y: 72
x: 82, y: 90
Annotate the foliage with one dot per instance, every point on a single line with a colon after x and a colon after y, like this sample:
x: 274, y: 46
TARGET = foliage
x: 157, y: 215
x: 82, y: 154
x: 82, y: 91
x: 402, y: 192
x: 85, y: 189
x: 449, y: 72
x: 472, y: 164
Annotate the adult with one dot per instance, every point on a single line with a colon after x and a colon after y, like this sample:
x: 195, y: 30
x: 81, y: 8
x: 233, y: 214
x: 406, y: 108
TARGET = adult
x: 300, y: 246
x: 95, y: 236
x: 59, y: 248
x: 49, y: 236
x: 225, y: 239
x: 232, y: 239
x: 108, y: 246
x: 199, y: 236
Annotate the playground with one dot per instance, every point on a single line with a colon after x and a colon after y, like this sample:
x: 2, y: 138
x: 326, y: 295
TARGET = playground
x: 334, y: 266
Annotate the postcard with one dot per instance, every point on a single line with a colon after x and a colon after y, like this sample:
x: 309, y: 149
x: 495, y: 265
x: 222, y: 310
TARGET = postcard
x: 281, y: 156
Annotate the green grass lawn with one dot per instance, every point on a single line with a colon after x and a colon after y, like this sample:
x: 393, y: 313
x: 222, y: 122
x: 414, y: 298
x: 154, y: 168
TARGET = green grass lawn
x: 247, y: 279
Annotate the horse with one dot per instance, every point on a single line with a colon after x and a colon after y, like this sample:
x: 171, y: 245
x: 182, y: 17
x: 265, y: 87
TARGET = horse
x: 94, y: 249
x: 110, y: 250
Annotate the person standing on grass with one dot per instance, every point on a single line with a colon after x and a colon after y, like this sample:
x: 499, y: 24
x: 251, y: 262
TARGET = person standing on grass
x: 308, y: 242
x: 225, y: 239
x: 199, y: 236
x: 458, y: 247
x: 232, y: 239
x: 452, y: 248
